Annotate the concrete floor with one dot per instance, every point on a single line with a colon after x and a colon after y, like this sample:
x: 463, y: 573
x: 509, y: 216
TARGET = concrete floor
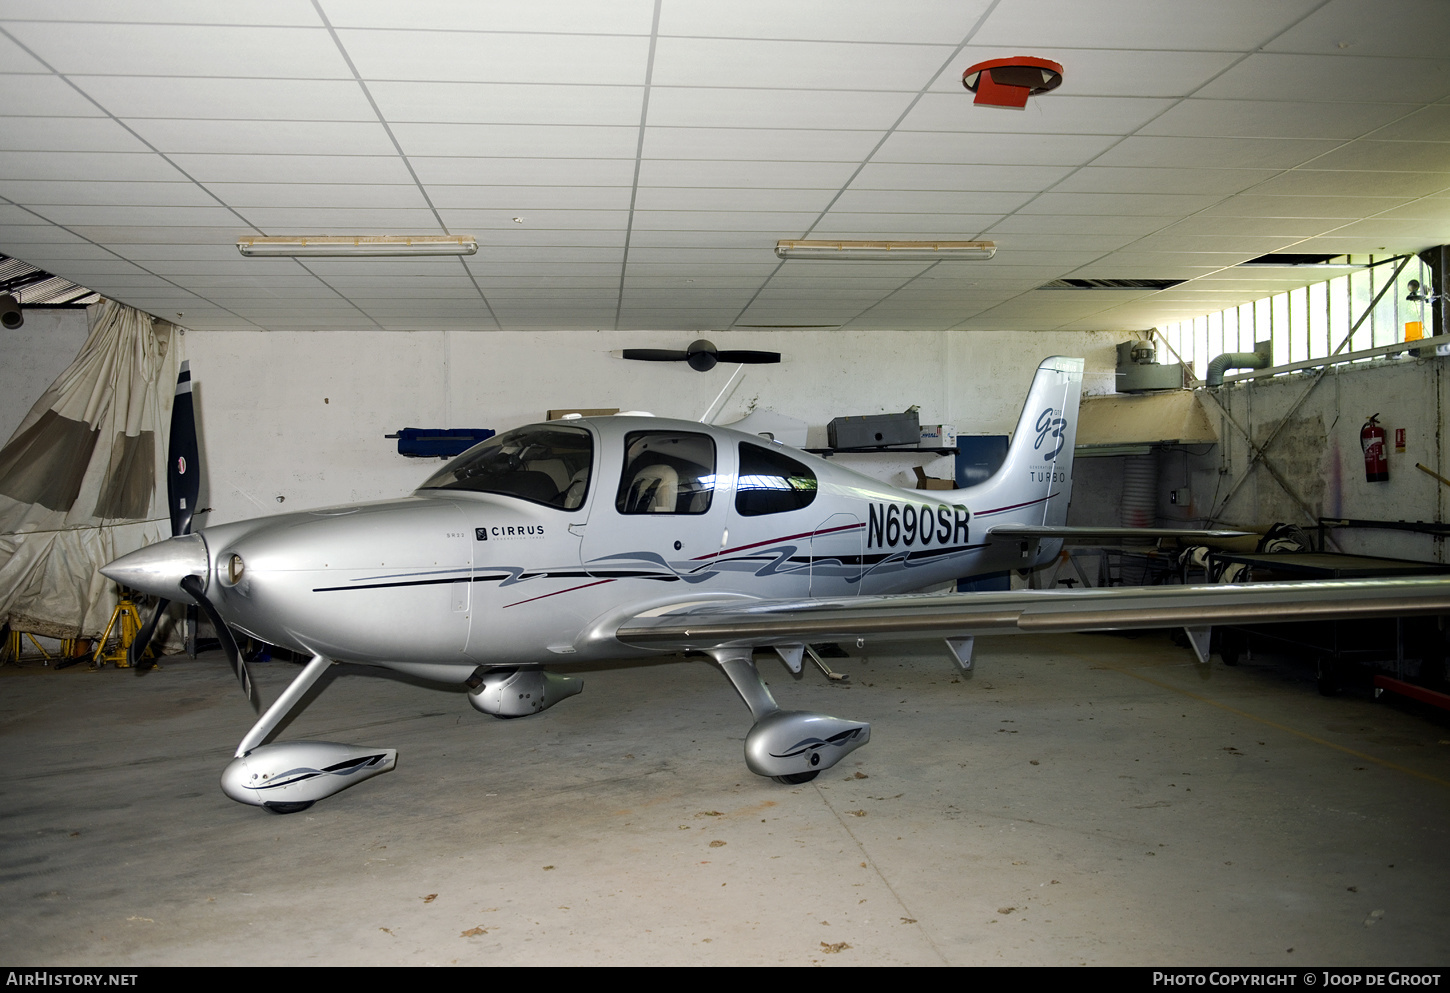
x: 1097, y: 800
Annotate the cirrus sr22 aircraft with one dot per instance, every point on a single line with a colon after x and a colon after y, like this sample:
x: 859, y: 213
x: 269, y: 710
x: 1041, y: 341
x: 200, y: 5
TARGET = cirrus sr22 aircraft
x: 588, y: 539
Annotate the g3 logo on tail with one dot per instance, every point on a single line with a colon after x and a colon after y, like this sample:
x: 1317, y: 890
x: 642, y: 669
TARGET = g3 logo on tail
x: 1049, y: 426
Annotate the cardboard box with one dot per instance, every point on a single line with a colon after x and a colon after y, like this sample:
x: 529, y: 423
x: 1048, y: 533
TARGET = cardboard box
x: 925, y: 482
x: 938, y: 436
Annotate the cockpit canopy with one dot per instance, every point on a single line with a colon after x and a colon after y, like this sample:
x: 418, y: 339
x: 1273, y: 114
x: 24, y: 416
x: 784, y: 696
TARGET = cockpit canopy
x: 548, y: 464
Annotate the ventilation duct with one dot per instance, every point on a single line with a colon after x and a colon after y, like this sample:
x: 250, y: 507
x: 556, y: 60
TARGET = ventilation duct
x: 1260, y: 358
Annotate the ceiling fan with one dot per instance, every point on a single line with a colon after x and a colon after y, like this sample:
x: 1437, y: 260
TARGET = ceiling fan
x: 702, y: 355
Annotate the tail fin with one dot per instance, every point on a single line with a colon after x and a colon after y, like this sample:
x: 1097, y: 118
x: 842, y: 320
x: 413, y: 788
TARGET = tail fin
x: 1034, y: 484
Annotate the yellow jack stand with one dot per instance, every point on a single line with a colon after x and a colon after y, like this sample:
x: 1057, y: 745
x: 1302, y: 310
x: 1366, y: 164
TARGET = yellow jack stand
x: 14, y: 646
x: 126, y: 622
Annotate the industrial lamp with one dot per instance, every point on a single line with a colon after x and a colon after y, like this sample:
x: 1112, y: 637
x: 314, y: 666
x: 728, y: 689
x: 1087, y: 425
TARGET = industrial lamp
x: 887, y: 251
x: 356, y: 246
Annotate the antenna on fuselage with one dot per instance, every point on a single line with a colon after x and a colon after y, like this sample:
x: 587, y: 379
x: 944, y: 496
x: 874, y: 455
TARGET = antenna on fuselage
x: 713, y: 411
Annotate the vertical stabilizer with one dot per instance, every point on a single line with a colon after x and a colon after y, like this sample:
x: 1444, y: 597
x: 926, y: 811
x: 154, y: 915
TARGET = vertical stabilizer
x: 1034, y: 484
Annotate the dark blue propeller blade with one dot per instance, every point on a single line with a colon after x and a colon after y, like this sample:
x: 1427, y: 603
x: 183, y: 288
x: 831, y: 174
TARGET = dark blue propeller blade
x: 183, y: 483
x: 192, y: 585
x: 183, y: 476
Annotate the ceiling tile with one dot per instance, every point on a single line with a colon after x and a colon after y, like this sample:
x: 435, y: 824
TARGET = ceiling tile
x: 928, y: 21
x: 1272, y: 119
x: 1256, y: 205
x: 581, y: 16
x: 80, y: 48
x: 264, y: 137
x: 513, y: 199
x: 78, y: 134
x: 736, y: 174
x: 1161, y: 204
x: 507, y: 103
x: 1309, y: 182
x: 535, y: 220
x: 1418, y: 124
x: 1131, y: 179
x: 295, y: 195
x: 45, y: 96
x: 386, y: 168
x: 1215, y: 153
x: 687, y: 198
x: 988, y: 205
x: 993, y: 149
x: 37, y: 192
x: 716, y: 107
x: 160, y: 96
x: 506, y: 57
x: 1390, y: 156
x: 1005, y: 178
x: 517, y: 140
x: 1226, y: 25
x: 341, y: 220
x: 96, y: 166
x: 959, y: 227
x: 1332, y: 78
x: 811, y: 145
x: 1403, y: 28
x: 817, y: 65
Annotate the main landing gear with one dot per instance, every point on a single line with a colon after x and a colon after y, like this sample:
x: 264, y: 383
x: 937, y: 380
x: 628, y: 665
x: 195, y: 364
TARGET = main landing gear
x: 789, y: 746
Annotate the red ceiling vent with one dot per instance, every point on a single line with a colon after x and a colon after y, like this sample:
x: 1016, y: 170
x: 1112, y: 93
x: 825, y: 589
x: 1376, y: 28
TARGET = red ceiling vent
x: 1009, y: 82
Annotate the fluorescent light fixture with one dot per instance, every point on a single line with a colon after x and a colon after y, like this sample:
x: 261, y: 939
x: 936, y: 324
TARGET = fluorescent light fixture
x: 357, y: 246
x: 887, y: 251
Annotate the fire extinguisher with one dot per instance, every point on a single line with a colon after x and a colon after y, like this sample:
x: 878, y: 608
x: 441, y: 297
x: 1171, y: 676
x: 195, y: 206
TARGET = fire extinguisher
x: 1372, y: 440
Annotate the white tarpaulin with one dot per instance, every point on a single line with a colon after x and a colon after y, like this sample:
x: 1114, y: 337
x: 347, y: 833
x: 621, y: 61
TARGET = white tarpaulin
x: 79, y: 478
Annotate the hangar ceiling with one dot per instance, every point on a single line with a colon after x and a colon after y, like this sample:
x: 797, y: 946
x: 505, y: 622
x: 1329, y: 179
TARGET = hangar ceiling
x: 631, y: 164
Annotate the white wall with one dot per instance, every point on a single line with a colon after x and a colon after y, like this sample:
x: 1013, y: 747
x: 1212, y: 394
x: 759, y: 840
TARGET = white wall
x: 301, y: 415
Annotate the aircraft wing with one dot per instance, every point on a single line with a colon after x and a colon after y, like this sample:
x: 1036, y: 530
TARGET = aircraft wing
x: 1103, y: 536
x: 712, y: 624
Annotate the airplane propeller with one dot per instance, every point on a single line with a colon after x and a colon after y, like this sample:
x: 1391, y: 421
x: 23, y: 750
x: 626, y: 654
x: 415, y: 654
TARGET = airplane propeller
x: 702, y: 355
x: 183, y: 485
x: 183, y: 482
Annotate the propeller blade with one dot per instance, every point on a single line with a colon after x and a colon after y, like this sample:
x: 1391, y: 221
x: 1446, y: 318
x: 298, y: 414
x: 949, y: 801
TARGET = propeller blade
x: 192, y: 585
x: 183, y: 483
x: 135, y: 657
x: 747, y: 357
x: 183, y: 475
x: 655, y: 354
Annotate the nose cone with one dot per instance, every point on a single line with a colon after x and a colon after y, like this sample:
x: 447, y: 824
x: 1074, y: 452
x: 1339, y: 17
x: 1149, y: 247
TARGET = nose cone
x: 159, y: 569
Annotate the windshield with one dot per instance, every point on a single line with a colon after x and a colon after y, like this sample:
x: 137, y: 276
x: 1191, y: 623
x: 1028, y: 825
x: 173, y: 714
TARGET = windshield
x: 545, y: 464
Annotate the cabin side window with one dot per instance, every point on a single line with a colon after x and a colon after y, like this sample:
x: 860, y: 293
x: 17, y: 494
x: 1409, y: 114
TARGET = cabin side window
x: 666, y: 472
x: 771, y: 482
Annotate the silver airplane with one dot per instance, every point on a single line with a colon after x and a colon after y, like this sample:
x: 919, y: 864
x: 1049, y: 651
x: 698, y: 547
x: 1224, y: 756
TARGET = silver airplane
x: 586, y: 539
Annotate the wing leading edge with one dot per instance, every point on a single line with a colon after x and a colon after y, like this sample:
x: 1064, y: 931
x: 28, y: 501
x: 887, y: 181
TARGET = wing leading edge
x: 1103, y: 535
x: 770, y: 623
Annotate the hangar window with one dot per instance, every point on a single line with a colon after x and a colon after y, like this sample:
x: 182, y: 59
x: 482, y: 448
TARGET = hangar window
x: 548, y: 465
x: 1309, y: 322
x: 771, y: 482
x: 666, y: 472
